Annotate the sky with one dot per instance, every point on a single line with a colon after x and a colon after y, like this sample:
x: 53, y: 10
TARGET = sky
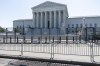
x: 21, y: 9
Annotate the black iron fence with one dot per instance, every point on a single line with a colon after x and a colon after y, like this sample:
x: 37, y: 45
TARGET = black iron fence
x: 77, y: 42
x: 70, y: 35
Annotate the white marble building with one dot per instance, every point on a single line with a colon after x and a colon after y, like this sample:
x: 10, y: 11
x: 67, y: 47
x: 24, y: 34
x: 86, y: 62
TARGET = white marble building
x: 54, y: 15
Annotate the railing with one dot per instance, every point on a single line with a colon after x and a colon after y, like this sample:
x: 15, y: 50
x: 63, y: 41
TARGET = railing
x: 53, y: 46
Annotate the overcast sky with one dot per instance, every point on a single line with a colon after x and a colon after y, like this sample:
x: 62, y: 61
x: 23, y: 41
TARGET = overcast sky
x: 21, y: 9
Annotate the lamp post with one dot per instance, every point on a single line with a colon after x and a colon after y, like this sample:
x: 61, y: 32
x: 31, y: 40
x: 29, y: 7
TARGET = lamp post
x: 49, y: 30
x: 23, y: 40
x: 84, y: 28
x: 41, y: 34
x: 67, y: 35
x: 76, y: 34
x: 91, y: 43
x: 52, y: 45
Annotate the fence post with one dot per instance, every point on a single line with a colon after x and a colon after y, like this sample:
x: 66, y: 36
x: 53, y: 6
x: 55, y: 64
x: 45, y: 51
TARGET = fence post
x: 57, y: 33
x: 24, y: 39
x: 53, y: 39
x: 94, y: 34
x: 31, y: 39
x: 10, y: 39
x: 15, y: 34
x: 6, y: 34
x: 52, y: 50
x: 21, y: 48
x: 73, y: 39
x: 80, y: 39
x: 45, y: 39
x: 76, y: 34
x: 3, y: 39
x: 66, y: 39
x: 49, y: 35
x: 67, y: 35
x: 91, y: 51
x: 17, y: 40
x: 38, y: 40
x: 86, y: 34
x: 59, y: 39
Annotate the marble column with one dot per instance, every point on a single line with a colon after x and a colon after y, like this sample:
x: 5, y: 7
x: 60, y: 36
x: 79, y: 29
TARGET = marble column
x: 37, y: 20
x: 45, y: 20
x: 54, y: 19
x: 50, y: 19
x: 33, y: 19
x: 41, y: 19
x: 35, y: 15
x: 64, y: 17
x: 59, y: 15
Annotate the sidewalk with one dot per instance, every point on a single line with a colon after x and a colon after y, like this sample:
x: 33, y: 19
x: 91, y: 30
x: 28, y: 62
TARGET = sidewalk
x: 56, y: 56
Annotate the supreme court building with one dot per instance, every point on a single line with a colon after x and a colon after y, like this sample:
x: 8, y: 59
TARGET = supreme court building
x: 54, y: 16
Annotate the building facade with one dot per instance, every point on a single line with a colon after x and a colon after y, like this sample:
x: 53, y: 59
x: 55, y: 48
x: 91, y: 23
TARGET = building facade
x: 54, y: 16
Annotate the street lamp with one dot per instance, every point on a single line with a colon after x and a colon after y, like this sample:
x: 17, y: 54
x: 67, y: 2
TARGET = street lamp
x: 84, y: 28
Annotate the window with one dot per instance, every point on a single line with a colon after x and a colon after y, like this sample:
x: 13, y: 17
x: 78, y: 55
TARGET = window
x: 76, y: 25
x: 17, y: 27
x: 90, y: 25
x: 68, y: 25
x: 72, y: 31
x: 20, y: 27
x: 81, y: 25
x: 72, y: 25
x: 85, y: 25
x: 95, y: 25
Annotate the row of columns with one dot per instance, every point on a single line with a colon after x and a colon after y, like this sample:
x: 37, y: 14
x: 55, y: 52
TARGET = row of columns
x: 54, y: 18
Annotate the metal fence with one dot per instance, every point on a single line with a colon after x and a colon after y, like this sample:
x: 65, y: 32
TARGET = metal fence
x: 87, y: 44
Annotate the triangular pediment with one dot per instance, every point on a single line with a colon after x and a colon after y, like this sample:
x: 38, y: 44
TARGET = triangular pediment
x: 48, y: 4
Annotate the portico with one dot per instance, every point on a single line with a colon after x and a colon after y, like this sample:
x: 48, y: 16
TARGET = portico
x: 49, y: 14
x: 41, y: 19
